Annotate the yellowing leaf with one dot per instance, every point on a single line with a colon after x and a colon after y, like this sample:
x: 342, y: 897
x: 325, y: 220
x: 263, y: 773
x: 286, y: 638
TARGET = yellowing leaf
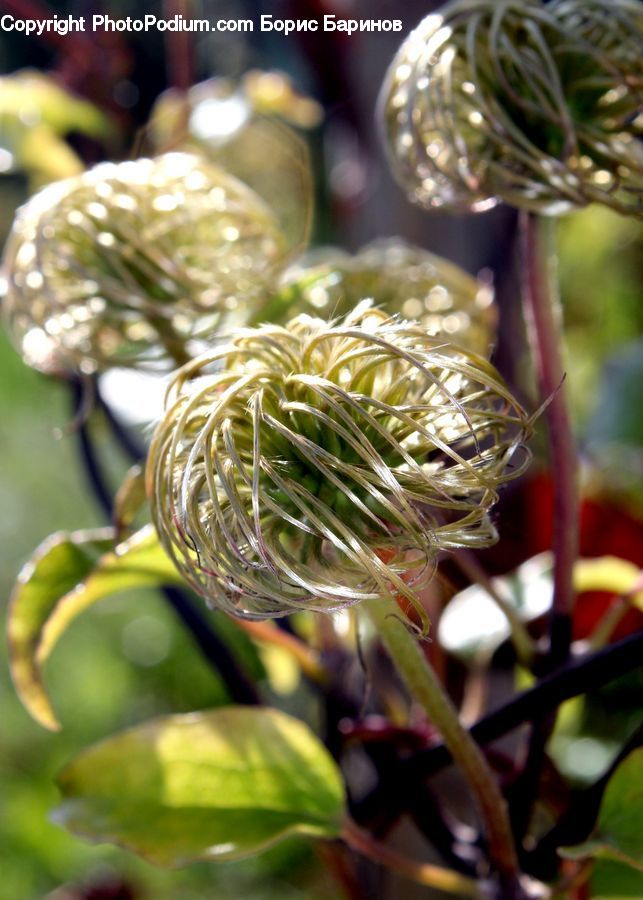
x: 212, y: 785
x: 67, y: 574
x: 56, y: 567
x: 609, y: 573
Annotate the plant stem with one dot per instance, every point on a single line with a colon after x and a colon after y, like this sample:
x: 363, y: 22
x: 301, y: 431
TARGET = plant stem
x: 426, y: 689
x: 178, y: 52
x: 173, y: 345
x: 398, y: 794
x: 614, y: 616
x: 544, y: 321
x: 543, y: 316
x: 240, y: 687
x: 579, y: 677
x: 336, y: 856
x: 91, y: 466
x: 578, y: 821
x: 423, y: 873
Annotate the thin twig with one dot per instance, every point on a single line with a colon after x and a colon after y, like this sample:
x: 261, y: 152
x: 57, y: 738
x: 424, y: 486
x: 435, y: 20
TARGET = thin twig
x: 423, y: 873
x: 544, y: 320
x: 131, y: 447
x: 336, y: 857
x: 577, y: 823
x: 91, y: 466
x: 397, y: 795
x: 268, y: 633
x: 215, y: 651
x: 178, y: 52
x: 586, y: 675
x: 523, y: 644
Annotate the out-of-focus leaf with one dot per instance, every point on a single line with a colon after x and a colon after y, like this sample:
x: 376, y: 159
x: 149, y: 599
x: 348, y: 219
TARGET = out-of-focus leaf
x: 618, y: 831
x: 614, y: 434
x: 35, y: 115
x: 613, y: 881
x: 472, y: 624
x: 214, y: 785
x: 620, y: 396
x: 68, y: 574
x: 609, y: 573
x: 281, y: 668
x: 57, y: 566
x: 35, y: 98
x: 46, y: 156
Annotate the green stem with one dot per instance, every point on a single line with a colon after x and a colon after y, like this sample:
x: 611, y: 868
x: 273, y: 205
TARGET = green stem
x: 173, y: 346
x: 609, y: 623
x: 426, y: 689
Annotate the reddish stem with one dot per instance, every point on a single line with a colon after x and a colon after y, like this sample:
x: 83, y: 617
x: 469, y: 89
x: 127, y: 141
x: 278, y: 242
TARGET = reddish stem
x: 178, y: 48
x: 544, y: 329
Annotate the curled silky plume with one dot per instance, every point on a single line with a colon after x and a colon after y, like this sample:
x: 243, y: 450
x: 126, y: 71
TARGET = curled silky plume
x: 132, y: 264
x: 538, y: 105
x: 399, y: 278
x: 316, y: 465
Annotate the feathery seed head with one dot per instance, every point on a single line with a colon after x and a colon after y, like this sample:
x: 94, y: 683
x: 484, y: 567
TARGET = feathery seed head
x: 400, y: 278
x: 132, y: 263
x: 536, y: 105
x: 316, y: 465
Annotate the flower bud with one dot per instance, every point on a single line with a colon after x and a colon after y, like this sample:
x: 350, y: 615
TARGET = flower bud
x: 132, y: 264
x: 316, y: 465
x: 400, y: 278
x: 536, y: 105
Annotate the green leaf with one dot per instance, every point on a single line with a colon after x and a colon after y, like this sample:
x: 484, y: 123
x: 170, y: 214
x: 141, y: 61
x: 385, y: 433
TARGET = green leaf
x: 30, y: 95
x: 36, y: 115
x: 618, y: 831
x: 214, y: 785
x: 612, y: 881
x: 56, y: 567
x: 67, y: 574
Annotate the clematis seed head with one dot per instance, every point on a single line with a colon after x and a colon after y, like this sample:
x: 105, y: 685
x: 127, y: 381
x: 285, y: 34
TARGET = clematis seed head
x: 400, y: 278
x: 131, y: 264
x: 316, y: 465
x: 538, y: 105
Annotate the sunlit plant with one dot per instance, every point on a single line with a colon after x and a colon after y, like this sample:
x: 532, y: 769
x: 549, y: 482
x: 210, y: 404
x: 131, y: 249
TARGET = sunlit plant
x: 132, y: 264
x: 313, y: 465
x: 398, y: 277
x: 534, y: 104
x: 333, y: 432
